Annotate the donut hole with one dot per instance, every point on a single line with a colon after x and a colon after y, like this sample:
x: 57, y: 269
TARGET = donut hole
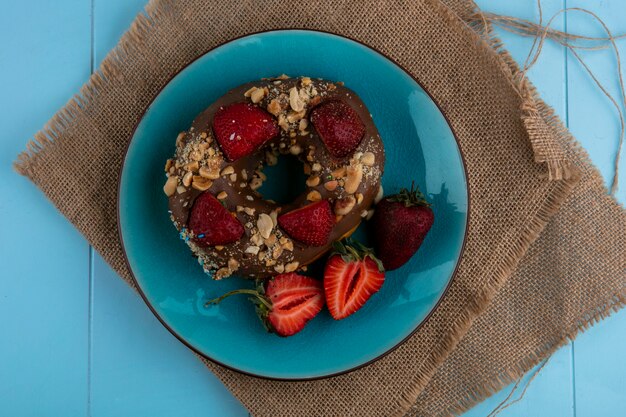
x: 285, y: 180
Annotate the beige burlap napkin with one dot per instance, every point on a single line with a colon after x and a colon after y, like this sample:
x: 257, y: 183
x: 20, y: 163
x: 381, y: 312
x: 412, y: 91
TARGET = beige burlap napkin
x: 522, y: 166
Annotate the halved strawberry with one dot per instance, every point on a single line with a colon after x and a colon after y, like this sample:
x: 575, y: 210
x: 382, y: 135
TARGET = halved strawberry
x: 310, y: 224
x: 241, y: 128
x: 351, y: 276
x: 211, y: 223
x: 287, y: 303
x: 339, y: 127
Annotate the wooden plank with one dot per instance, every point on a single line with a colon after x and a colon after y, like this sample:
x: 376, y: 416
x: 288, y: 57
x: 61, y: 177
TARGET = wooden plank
x: 599, y: 367
x: 137, y: 366
x: 44, y: 261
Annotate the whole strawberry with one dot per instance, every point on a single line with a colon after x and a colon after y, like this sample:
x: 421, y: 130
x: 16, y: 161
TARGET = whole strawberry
x: 400, y: 224
x: 285, y: 304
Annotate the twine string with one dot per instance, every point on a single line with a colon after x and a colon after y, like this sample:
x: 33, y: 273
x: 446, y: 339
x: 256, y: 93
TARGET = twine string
x: 541, y: 33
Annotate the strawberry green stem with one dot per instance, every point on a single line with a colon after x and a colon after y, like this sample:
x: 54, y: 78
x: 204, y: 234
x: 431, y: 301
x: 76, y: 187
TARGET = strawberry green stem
x: 263, y: 300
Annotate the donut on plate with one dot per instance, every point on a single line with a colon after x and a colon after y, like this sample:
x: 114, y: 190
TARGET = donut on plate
x: 213, y: 181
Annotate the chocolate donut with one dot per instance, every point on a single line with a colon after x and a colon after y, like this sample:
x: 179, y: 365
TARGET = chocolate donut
x: 301, y: 116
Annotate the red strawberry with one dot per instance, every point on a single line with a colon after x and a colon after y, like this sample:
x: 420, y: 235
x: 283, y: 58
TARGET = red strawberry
x: 310, y: 224
x: 287, y: 303
x: 352, y: 274
x: 401, y: 222
x: 212, y: 223
x: 241, y: 128
x: 339, y: 127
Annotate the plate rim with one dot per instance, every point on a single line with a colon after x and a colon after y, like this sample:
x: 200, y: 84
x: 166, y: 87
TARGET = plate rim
x: 318, y: 377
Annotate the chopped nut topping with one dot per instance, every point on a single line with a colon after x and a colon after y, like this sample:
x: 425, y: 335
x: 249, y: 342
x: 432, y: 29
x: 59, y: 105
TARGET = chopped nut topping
x: 233, y: 264
x: 331, y: 185
x: 187, y: 179
x: 180, y: 189
x: 271, y: 240
x: 315, y: 101
x: 192, y: 166
x: 244, y: 174
x: 203, y: 135
x: 345, y: 205
x: 201, y: 183
x: 316, y: 167
x: 370, y: 213
x: 252, y: 249
x: 274, y: 217
x: 295, y: 150
x: 312, y: 181
x: 292, y: 266
x: 249, y: 91
x: 303, y: 124
x: 219, y: 247
x: 280, y: 268
x: 339, y: 172
x: 261, y: 255
x: 359, y: 198
x: 364, y: 213
x: 277, y: 251
x: 256, y: 183
x: 265, y: 225
x: 209, y: 173
x: 233, y: 177
x: 249, y: 211
x: 355, y: 174
x: 256, y: 239
x: 282, y: 122
x: 195, y: 155
x: 222, y: 273
x: 261, y: 175
x: 168, y: 164
x: 293, y: 117
x: 379, y: 194
x: 257, y: 95
x: 274, y: 107
x: 305, y: 81
x: 287, y: 245
x: 240, y: 209
x: 222, y: 195
x: 295, y: 101
x: 227, y: 171
x: 179, y: 138
x: 368, y: 159
x: 314, y: 196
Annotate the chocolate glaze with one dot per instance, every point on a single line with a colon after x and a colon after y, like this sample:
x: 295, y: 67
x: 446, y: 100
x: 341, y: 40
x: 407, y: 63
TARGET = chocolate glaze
x: 249, y: 264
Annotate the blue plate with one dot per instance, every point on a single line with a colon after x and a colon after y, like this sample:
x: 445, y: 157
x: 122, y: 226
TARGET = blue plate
x: 419, y: 145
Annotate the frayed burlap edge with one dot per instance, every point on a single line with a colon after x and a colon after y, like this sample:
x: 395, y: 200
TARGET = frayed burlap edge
x: 534, y: 114
x: 540, y: 122
x: 539, y: 119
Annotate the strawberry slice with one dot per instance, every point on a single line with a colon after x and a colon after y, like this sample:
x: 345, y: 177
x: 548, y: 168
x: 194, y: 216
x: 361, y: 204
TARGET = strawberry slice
x: 339, y: 127
x: 351, y: 276
x: 287, y: 304
x: 211, y: 223
x: 241, y: 128
x: 310, y: 224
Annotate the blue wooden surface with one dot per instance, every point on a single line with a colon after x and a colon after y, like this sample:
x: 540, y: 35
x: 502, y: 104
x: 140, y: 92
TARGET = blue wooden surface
x: 77, y: 342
